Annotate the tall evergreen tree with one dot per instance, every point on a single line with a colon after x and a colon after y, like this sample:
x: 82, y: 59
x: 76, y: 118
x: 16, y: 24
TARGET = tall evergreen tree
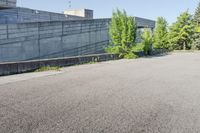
x: 197, y: 15
x: 196, y: 20
x: 160, y: 35
x: 181, y: 32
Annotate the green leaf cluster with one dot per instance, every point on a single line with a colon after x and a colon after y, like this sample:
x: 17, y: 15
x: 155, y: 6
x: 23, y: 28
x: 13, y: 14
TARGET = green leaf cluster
x: 123, y: 35
x: 181, y: 32
x: 197, y: 16
x: 196, y: 36
x: 160, y: 34
x: 147, y: 42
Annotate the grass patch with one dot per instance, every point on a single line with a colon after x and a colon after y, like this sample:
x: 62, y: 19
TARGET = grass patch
x: 48, y: 68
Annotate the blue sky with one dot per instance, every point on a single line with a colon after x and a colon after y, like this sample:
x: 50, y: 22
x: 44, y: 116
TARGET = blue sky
x: 151, y: 9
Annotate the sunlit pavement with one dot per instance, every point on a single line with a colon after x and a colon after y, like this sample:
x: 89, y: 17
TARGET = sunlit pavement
x: 150, y: 95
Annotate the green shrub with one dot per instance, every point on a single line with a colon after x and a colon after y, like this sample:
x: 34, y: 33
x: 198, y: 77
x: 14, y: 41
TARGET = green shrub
x: 147, y: 42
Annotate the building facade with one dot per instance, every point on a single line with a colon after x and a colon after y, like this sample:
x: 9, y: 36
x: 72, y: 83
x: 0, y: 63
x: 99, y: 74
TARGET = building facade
x: 7, y: 4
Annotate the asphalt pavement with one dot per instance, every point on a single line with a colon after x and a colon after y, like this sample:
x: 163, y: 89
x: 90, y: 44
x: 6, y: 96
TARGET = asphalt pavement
x: 148, y: 95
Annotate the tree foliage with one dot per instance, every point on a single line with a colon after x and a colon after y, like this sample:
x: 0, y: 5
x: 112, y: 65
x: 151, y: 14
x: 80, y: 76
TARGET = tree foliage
x: 197, y: 15
x: 160, y: 35
x: 181, y: 35
x: 196, y: 37
x: 116, y: 27
x: 181, y: 32
x: 123, y: 35
x: 147, y: 42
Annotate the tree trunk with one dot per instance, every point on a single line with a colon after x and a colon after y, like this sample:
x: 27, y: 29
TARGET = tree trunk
x: 184, y: 46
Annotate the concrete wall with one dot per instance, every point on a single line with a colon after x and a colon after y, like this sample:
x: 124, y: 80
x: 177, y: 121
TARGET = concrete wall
x: 25, y: 15
x: 145, y: 23
x: 39, y: 40
x: 7, y: 3
x: 28, y: 66
x: 52, y: 39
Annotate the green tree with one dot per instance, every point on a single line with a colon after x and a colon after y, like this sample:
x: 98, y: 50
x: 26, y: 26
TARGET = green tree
x: 123, y: 35
x: 116, y: 27
x: 196, y: 37
x: 147, y: 42
x: 197, y: 15
x: 131, y: 31
x: 196, y: 41
x: 160, y: 34
x: 181, y: 32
